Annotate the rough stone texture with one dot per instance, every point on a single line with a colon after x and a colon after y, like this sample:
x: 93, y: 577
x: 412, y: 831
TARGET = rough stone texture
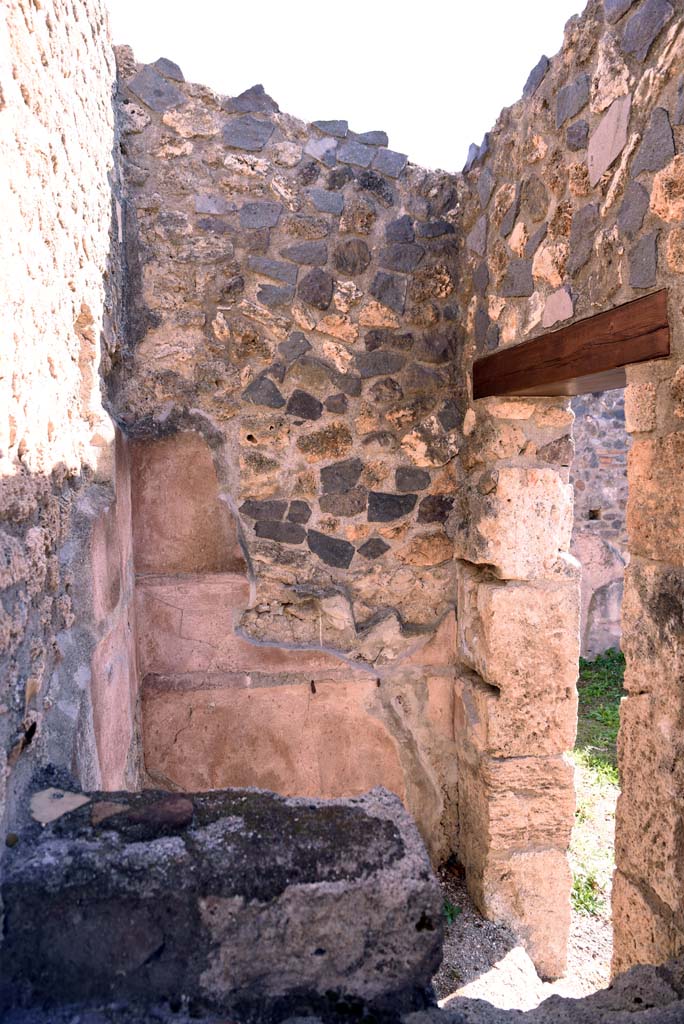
x: 340, y: 880
x: 609, y: 139
x: 69, y: 686
x: 599, y: 539
x: 517, y: 520
x: 657, y: 147
x: 310, y: 596
x: 597, y: 234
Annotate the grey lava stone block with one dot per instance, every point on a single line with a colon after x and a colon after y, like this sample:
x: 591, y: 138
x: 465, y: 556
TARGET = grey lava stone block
x: 238, y: 900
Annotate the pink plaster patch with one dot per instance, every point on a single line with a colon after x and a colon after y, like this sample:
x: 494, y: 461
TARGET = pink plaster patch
x: 558, y: 307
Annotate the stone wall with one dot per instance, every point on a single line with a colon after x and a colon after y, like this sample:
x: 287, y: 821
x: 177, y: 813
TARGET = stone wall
x: 599, y: 535
x: 68, y: 690
x: 572, y: 205
x: 301, y: 493
x: 290, y: 393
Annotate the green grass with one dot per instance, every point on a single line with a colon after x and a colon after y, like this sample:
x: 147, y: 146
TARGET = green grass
x: 600, y: 688
x: 451, y: 911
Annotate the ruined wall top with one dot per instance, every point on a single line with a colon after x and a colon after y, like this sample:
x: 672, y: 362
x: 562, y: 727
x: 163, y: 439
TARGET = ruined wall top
x: 291, y: 299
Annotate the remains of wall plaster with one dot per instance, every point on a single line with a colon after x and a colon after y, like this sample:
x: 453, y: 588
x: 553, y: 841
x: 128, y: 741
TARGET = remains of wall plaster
x: 599, y: 536
x: 573, y: 205
x: 290, y: 379
x: 291, y: 394
x: 67, y: 661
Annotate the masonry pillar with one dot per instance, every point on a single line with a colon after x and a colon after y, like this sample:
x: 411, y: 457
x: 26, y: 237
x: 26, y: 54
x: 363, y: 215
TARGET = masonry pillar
x: 518, y: 612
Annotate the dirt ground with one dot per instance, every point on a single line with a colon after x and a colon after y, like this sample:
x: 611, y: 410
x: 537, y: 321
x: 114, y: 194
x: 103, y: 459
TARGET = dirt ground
x: 483, y: 960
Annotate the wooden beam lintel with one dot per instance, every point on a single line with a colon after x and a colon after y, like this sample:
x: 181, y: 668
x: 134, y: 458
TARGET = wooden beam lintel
x: 589, y: 355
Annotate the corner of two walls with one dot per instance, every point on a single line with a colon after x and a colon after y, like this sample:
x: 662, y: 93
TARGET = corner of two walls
x: 573, y: 205
x: 65, y: 642
x: 295, y: 336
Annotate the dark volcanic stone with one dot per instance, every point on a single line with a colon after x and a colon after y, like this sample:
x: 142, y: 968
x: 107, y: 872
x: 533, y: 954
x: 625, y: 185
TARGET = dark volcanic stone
x: 404, y: 257
x: 643, y: 261
x: 349, y: 383
x: 351, y: 256
x: 256, y: 241
x: 657, y: 146
x: 644, y: 27
x: 485, y: 186
x: 378, y: 363
x: 330, y: 550
x: 283, y: 533
x: 247, y: 133
x: 436, y: 346
x: 535, y: 241
x: 511, y: 215
x: 260, y: 214
x: 341, y: 476
x: 352, y: 152
x: 273, y: 295
x: 154, y: 91
x: 337, y: 128
x: 304, y: 406
x: 400, y: 230
x: 386, y: 390
x: 294, y: 347
x: 369, y: 181
x: 339, y: 177
x: 518, y: 281
x: 169, y: 69
x: 266, y: 509
x: 388, y: 162
x: 326, y: 201
x: 571, y: 98
x: 585, y: 224
x: 263, y: 391
x: 373, y: 548
x: 536, y: 76
x: 434, y: 229
x: 481, y: 326
x: 274, y: 269
x: 481, y: 278
x: 313, y: 254
x: 435, y: 508
x: 477, y: 238
x: 390, y: 291
x: 472, y: 158
x: 299, y: 512
x: 535, y: 198
x: 408, y: 478
x: 308, y: 173
x: 451, y: 414
x: 316, y: 289
x: 254, y: 100
x: 561, y: 451
x: 351, y: 503
x: 372, y: 138
x: 336, y: 403
x: 378, y: 337
x: 633, y: 209
x: 614, y: 9
x: 577, y: 135
x: 383, y: 508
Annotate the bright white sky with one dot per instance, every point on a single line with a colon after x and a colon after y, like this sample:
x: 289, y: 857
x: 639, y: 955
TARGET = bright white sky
x: 434, y: 76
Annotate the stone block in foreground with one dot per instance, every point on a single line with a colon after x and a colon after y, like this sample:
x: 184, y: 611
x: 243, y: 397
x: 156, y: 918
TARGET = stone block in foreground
x: 236, y: 900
